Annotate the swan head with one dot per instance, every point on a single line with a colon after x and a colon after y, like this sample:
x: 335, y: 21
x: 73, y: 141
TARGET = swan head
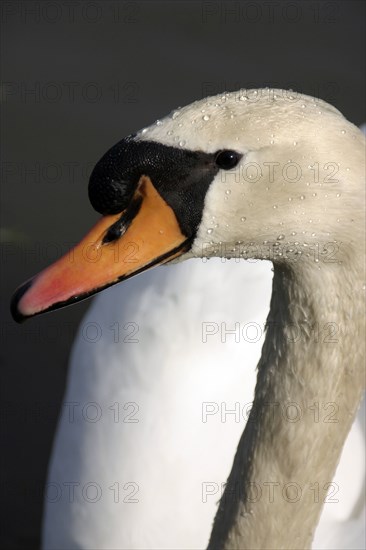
x: 265, y: 174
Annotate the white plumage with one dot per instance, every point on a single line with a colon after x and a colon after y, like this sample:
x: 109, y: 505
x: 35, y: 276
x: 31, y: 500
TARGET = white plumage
x: 171, y: 461
x: 169, y: 373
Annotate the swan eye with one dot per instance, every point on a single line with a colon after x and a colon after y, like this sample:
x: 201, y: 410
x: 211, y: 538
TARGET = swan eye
x: 227, y: 159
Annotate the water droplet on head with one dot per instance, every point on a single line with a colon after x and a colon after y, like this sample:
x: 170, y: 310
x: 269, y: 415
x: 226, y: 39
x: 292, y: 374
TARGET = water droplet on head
x: 210, y: 230
x: 280, y: 237
x: 182, y: 143
x: 206, y: 117
x: 302, y: 197
x: 158, y: 123
x: 242, y: 219
x: 275, y: 206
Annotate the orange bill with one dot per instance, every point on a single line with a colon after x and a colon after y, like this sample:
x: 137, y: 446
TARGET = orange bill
x: 118, y: 246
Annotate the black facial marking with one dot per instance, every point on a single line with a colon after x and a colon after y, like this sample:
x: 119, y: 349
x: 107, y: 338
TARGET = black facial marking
x: 181, y: 177
x: 122, y: 224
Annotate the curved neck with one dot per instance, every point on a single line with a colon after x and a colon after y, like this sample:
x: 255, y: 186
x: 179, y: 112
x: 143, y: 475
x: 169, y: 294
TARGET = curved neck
x: 310, y: 382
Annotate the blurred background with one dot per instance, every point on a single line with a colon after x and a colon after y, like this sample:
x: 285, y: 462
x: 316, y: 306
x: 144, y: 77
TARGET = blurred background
x: 76, y: 78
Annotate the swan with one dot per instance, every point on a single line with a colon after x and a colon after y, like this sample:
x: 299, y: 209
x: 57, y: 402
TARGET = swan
x: 270, y: 175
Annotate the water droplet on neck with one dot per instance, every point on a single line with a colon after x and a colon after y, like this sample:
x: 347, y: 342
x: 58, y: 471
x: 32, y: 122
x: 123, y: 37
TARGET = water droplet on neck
x: 206, y: 117
x: 280, y: 237
x: 242, y: 219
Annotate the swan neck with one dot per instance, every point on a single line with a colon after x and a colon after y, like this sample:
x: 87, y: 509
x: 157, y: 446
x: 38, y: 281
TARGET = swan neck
x: 309, y: 385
